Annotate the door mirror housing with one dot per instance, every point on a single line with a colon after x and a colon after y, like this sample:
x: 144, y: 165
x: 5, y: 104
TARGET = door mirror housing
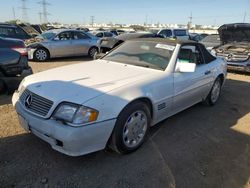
x: 185, y: 66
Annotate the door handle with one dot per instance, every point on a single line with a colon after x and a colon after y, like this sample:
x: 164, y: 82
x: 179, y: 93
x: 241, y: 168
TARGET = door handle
x: 207, y: 72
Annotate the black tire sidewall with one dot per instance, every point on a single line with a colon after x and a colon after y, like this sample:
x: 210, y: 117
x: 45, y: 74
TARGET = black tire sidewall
x: 117, y: 135
x: 35, y: 58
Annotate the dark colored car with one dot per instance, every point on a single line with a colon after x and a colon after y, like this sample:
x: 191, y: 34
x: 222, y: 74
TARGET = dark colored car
x: 110, y: 43
x: 39, y: 28
x: 235, y: 46
x: 13, y: 31
x: 211, y: 41
x: 197, y: 37
x: 13, y: 64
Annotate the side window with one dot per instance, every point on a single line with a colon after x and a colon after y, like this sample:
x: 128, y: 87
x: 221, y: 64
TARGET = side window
x: 107, y: 34
x: 190, y: 54
x: 166, y: 32
x: 64, y: 36
x: 100, y: 35
x: 21, y: 33
x: 80, y: 35
x: 7, y: 32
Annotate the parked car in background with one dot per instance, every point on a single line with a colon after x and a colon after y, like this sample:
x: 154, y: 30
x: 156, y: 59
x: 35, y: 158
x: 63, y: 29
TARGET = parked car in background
x: 114, y: 31
x: 110, y: 43
x: 235, y: 47
x: 83, y: 29
x: 114, y: 101
x: 39, y: 28
x: 63, y: 43
x: 181, y: 34
x: 211, y: 41
x: 13, y: 64
x: 197, y: 37
x: 13, y: 31
x: 102, y: 34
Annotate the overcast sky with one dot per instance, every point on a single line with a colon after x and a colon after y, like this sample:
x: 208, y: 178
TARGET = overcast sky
x: 132, y: 11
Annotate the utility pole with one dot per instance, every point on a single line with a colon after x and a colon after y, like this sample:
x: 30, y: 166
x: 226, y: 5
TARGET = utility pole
x: 14, y: 13
x: 190, y: 21
x: 24, y: 11
x: 146, y: 20
x: 244, y: 17
x: 40, y: 17
x: 92, y: 20
x: 45, y: 13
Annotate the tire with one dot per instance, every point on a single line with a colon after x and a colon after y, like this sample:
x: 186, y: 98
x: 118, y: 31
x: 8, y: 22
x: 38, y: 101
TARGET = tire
x: 215, y: 92
x: 131, y: 128
x: 41, y: 55
x: 92, y: 52
x: 2, y: 87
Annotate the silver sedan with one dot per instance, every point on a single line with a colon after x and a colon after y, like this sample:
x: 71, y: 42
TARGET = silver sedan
x: 63, y: 43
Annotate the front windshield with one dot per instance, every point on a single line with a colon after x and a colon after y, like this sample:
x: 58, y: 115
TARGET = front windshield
x: 143, y: 53
x: 47, y: 35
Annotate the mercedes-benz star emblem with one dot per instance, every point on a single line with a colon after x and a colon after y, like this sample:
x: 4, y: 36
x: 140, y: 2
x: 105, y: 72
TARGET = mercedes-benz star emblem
x: 28, y: 101
x: 229, y: 56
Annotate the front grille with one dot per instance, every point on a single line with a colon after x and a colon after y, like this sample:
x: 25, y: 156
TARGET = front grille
x: 35, y: 103
x: 233, y: 57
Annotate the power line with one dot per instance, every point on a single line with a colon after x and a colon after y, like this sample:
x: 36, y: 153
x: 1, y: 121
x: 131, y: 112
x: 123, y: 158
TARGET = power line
x: 24, y: 11
x: 14, y: 13
x: 45, y: 12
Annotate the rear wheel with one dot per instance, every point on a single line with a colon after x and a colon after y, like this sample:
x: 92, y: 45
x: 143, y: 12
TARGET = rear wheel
x: 93, y: 51
x: 131, y: 128
x: 41, y: 54
x: 214, y: 94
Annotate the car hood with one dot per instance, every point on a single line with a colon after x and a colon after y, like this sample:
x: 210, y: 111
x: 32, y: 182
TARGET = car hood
x: 238, y: 32
x: 34, y: 41
x: 235, y: 48
x: 81, y: 82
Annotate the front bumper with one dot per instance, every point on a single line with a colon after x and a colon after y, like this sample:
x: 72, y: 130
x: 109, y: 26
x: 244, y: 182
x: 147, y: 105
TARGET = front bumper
x: 31, y: 53
x: 239, y: 66
x: 71, y: 141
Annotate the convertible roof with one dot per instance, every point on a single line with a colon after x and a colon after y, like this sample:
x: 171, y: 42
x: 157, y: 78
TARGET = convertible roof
x: 165, y: 40
x: 208, y: 57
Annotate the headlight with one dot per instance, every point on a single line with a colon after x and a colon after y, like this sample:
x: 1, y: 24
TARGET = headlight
x: 21, y: 87
x: 75, y: 115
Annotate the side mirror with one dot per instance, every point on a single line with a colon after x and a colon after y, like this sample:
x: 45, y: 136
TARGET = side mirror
x: 182, y: 66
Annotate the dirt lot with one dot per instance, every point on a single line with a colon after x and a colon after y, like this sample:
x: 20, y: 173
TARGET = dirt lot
x: 200, y: 147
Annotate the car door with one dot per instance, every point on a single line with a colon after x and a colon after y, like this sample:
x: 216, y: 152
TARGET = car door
x: 61, y: 45
x: 191, y: 87
x: 80, y: 43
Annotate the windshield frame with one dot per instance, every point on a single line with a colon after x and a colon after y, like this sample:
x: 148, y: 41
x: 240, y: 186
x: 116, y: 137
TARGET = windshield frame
x: 140, y: 63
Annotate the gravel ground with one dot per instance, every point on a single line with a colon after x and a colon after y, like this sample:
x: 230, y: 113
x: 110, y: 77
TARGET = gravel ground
x: 200, y: 147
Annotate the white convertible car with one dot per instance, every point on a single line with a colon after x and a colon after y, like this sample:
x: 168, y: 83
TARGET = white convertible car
x: 113, y: 101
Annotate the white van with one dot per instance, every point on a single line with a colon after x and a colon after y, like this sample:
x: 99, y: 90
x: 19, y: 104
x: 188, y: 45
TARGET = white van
x: 173, y: 33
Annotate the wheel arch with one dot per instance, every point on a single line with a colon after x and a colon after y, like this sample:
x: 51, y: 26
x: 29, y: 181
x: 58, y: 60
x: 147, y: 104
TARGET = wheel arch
x: 39, y: 46
x: 222, y: 77
x: 144, y: 100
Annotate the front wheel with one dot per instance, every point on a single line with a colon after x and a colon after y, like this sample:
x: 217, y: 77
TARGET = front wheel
x: 41, y: 54
x: 131, y: 128
x: 92, y: 52
x: 215, y: 92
